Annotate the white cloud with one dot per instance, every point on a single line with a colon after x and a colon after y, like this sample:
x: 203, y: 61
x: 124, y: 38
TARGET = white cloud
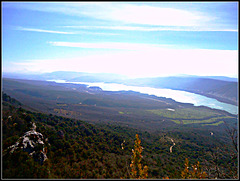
x: 62, y: 32
x: 147, y: 28
x: 148, y: 15
x: 43, y: 31
x: 126, y: 13
x: 110, y: 45
x: 161, y: 62
x: 146, y: 59
x: 178, y: 18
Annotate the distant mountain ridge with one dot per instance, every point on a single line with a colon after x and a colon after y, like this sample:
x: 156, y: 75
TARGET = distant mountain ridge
x: 224, y: 89
x: 73, y: 76
x: 224, y: 78
x: 68, y: 76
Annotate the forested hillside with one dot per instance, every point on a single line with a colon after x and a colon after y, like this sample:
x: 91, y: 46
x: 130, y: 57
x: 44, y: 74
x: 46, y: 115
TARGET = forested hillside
x: 76, y: 149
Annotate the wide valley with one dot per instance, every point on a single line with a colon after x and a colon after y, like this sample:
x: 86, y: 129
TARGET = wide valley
x: 177, y: 95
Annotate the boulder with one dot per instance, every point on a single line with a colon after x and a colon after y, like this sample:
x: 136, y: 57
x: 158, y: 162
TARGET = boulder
x: 33, y: 143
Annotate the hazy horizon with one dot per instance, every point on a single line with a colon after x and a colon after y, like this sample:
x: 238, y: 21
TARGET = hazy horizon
x: 135, y: 39
x: 122, y: 75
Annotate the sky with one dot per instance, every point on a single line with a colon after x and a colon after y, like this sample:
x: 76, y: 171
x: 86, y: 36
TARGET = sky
x: 137, y: 39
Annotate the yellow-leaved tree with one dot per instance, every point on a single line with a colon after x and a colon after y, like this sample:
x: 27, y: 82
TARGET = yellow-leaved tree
x: 137, y: 169
x: 195, y: 173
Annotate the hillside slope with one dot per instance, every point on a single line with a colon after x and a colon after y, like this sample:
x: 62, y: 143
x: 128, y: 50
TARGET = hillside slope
x: 77, y: 149
x: 224, y: 91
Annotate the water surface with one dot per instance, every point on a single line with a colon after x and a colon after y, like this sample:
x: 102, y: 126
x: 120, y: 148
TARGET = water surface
x: 177, y: 95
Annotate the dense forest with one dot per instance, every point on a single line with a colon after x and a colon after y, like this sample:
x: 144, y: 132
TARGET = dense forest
x: 77, y: 149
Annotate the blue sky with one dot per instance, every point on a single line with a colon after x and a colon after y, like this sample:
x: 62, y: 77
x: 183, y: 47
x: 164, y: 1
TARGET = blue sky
x: 138, y: 39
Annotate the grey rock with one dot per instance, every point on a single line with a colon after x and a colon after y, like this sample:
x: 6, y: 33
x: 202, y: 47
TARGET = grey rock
x: 32, y: 142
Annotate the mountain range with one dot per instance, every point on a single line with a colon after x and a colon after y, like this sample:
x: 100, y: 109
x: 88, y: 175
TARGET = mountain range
x: 224, y: 89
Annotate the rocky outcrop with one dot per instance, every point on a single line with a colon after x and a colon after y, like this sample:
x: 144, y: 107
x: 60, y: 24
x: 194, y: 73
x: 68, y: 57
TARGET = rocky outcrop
x: 33, y: 143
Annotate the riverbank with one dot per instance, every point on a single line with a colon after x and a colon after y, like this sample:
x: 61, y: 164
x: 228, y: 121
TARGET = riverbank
x: 193, y: 97
x: 220, y: 99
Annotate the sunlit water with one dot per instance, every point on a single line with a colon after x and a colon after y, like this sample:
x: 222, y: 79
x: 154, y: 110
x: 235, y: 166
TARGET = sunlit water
x: 177, y: 95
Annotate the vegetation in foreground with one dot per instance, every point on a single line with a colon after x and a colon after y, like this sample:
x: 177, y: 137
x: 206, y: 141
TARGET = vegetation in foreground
x: 78, y: 149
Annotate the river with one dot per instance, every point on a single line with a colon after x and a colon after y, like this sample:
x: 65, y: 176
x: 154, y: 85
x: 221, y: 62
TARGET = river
x: 177, y: 95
